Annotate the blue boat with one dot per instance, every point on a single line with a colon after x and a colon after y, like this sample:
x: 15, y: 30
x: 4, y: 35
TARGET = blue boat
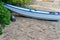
x: 39, y: 14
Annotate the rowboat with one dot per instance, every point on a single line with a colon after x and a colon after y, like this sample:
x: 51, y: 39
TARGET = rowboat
x: 39, y: 14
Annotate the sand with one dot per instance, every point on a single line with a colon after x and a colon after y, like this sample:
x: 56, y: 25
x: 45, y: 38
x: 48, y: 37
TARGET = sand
x: 31, y: 29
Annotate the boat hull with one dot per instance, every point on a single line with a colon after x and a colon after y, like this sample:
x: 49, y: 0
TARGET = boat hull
x: 33, y: 14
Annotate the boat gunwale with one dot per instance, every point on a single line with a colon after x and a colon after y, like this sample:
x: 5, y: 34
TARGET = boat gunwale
x: 30, y: 10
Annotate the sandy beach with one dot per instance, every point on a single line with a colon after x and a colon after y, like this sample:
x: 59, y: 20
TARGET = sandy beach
x: 31, y: 29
